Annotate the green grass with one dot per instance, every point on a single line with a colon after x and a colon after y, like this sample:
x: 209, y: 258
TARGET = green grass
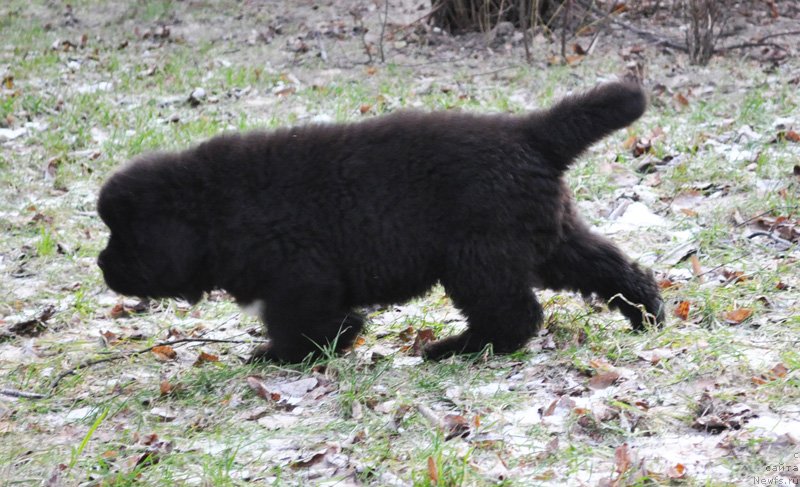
x: 99, y: 420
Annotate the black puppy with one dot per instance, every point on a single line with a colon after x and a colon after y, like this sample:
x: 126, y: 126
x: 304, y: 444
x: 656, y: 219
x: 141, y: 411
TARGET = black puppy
x: 311, y: 222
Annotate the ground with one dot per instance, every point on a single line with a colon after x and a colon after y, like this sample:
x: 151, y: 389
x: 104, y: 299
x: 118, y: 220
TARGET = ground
x: 703, y: 189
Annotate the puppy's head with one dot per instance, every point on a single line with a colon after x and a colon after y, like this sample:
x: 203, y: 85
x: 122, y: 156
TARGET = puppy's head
x: 154, y: 250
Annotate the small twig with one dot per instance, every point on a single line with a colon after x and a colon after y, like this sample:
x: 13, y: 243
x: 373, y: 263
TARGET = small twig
x: 383, y: 29
x: 603, y: 23
x: 493, y: 71
x: 564, y: 24
x: 756, y: 217
x: 122, y: 355
x: 775, y: 238
x: 747, y: 45
x: 779, y: 34
x: 658, y: 39
x: 22, y: 394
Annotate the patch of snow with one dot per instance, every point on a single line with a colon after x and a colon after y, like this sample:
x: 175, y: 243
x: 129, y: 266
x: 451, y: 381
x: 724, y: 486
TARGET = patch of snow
x: 11, y: 134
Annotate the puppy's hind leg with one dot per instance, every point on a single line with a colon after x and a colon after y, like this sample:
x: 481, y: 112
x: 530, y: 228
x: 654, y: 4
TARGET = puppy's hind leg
x: 302, y: 320
x: 590, y: 263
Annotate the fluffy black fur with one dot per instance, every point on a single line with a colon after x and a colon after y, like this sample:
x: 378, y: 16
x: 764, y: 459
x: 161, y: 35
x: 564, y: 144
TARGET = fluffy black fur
x: 315, y: 221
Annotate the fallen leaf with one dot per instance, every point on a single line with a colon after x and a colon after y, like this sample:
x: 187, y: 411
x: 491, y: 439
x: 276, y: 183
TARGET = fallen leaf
x: 424, y: 336
x: 153, y: 454
x: 433, y: 474
x: 365, y: 108
x: 108, y: 338
x: 697, y: 269
x: 603, y: 379
x: 407, y: 335
x: 641, y: 147
x: 166, y: 387
x: 622, y: 458
x: 33, y: 326
x: 677, y: 471
x: 629, y: 142
x: 260, y: 389
x: 682, y: 310
x: 205, y: 358
x: 314, y: 458
x: 288, y: 90
x: 789, y: 135
x: 779, y: 370
x: 666, y: 284
x: 455, y: 425
x: 681, y: 99
x: 164, y: 352
x: 737, y: 316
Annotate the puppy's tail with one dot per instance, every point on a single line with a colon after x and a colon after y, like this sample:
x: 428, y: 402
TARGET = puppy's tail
x: 573, y: 124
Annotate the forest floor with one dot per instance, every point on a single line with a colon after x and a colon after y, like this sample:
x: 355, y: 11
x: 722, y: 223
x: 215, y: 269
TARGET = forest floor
x: 96, y: 389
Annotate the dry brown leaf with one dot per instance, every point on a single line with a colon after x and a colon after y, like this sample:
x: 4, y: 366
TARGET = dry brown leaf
x: 779, y: 370
x: 407, y: 335
x: 735, y: 276
x: 314, y: 458
x: 365, y: 108
x: 551, y: 408
x: 791, y: 136
x: 697, y: 269
x: 118, y: 311
x: 285, y: 91
x: 681, y: 99
x: 359, y: 342
x: 641, y: 147
x: 260, y: 389
x: 630, y: 142
x: 455, y: 425
x: 603, y: 379
x: 205, y: 358
x: 677, y: 471
x: 165, y: 387
x: 164, y: 352
x: 666, y: 284
x: 109, y: 337
x: 682, y: 310
x: 622, y: 458
x: 433, y: 473
x: 737, y: 316
x: 599, y: 364
x: 424, y: 336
